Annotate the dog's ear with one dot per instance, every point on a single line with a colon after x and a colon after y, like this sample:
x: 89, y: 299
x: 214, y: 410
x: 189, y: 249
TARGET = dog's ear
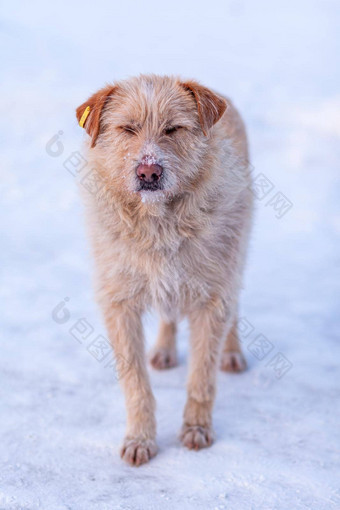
x: 89, y: 113
x: 210, y: 106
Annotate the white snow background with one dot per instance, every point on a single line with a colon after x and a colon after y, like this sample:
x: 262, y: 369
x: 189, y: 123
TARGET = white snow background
x: 62, y: 412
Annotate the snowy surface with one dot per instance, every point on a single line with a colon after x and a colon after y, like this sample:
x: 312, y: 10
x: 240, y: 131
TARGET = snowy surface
x: 62, y: 411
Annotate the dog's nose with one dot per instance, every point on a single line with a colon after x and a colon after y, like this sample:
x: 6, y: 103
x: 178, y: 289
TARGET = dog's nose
x: 149, y: 173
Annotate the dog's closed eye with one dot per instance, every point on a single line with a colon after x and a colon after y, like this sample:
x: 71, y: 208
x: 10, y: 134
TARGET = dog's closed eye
x: 132, y: 130
x: 172, y: 129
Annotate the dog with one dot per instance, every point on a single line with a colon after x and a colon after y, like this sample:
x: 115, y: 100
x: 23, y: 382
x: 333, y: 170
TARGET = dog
x: 169, y: 223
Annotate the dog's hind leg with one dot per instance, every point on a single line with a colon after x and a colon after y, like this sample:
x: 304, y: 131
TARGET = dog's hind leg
x: 164, y: 354
x: 232, y: 359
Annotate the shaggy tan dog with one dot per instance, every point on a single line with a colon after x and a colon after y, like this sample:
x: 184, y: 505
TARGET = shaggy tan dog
x: 169, y: 224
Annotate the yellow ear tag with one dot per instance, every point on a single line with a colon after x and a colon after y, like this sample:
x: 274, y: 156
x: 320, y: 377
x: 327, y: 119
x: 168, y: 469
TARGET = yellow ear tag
x: 84, y: 116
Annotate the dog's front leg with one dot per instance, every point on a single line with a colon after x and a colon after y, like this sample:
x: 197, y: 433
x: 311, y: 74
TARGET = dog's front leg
x: 208, y: 327
x: 125, y: 331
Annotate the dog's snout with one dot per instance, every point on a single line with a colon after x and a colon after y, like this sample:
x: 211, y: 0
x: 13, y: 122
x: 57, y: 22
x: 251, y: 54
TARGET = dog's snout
x: 149, y: 173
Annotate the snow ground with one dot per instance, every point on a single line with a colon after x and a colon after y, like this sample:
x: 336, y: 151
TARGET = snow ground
x: 62, y: 412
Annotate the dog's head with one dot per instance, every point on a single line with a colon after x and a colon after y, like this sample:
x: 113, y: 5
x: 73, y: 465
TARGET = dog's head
x: 151, y: 132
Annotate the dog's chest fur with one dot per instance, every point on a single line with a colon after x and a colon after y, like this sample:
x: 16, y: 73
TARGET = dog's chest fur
x: 172, y: 260
x: 161, y: 261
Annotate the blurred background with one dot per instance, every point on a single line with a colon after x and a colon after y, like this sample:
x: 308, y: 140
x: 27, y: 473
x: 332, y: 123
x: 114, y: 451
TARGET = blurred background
x: 62, y: 412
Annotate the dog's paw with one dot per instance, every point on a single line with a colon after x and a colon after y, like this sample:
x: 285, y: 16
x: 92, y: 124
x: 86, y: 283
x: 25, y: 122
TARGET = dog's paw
x: 137, y: 451
x: 233, y: 361
x: 196, y: 437
x: 161, y: 358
